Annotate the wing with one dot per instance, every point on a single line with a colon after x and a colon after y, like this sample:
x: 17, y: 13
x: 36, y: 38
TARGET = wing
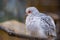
x: 51, y: 24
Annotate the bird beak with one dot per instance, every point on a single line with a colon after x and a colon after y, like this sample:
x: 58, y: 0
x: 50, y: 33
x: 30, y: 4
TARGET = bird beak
x: 26, y: 15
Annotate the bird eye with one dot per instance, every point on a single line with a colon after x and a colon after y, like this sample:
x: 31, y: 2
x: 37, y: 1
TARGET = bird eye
x: 29, y: 11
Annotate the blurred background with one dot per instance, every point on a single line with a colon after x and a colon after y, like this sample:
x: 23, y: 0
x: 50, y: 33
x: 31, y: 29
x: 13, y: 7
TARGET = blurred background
x: 15, y: 10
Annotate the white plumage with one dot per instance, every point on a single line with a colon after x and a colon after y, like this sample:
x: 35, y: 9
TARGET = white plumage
x: 39, y: 24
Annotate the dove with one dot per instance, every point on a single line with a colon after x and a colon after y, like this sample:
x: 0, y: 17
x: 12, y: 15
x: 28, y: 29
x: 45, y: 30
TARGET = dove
x: 39, y: 24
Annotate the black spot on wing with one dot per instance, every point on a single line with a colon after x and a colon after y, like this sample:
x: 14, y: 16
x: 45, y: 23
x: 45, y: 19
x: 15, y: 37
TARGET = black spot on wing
x: 48, y: 21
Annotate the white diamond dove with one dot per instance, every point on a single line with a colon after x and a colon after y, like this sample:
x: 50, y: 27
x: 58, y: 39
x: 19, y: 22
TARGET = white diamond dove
x: 39, y: 24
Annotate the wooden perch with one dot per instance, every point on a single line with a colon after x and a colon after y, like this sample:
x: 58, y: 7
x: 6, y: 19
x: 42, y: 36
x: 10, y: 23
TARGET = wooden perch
x: 16, y: 29
x: 27, y: 36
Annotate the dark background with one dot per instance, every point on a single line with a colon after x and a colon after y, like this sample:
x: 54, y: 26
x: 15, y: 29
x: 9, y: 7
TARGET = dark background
x: 15, y: 10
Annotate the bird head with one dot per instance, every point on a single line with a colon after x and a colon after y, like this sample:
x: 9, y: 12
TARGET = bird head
x: 31, y: 10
